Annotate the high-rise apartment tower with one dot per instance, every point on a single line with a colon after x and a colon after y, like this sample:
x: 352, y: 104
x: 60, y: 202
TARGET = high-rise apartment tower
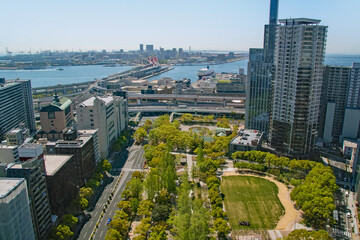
x: 296, y: 88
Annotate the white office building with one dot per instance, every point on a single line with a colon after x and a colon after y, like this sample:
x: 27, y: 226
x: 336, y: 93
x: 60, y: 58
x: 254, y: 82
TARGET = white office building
x: 108, y: 114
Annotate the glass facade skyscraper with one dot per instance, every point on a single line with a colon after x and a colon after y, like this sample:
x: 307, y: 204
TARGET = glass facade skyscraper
x: 260, y: 67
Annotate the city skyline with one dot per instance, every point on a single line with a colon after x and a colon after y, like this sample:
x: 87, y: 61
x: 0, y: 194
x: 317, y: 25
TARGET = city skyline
x: 201, y: 25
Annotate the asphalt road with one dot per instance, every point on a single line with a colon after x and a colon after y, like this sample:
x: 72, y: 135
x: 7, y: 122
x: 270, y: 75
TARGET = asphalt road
x: 134, y: 162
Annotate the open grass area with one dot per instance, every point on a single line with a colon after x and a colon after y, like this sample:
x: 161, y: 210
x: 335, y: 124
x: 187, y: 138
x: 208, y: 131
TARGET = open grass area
x: 251, y: 199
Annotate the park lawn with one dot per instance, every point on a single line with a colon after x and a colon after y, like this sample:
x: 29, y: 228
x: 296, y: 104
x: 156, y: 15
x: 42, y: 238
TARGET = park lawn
x: 251, y: 199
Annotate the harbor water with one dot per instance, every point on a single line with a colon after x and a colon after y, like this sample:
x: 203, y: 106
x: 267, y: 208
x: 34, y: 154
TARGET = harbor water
x: 78, y: 74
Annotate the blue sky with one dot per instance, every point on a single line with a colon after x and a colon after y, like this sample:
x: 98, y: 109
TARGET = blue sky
x: 201, y: 24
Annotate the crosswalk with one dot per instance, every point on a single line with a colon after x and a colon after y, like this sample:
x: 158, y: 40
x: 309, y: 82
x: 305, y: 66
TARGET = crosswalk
x: 275, y: 234
x: 339, y: 232
x: 126, y: 170
x: 247, y: 238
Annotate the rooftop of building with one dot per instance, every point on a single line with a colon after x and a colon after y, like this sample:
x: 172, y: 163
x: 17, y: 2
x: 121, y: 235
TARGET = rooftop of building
x: 299, y: 21
x: 31, y: 145
x: 78, y: 142
x: 14, y: 131
x: 90, y: 102
x: 2, y: 146
x: 7, y: 185
x: 55, y: 162
x: 87, y: 131
x: 58, y: 104
x: 247, y: 137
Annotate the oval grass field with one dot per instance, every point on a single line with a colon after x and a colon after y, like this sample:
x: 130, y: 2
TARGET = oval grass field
x: 251, y: 199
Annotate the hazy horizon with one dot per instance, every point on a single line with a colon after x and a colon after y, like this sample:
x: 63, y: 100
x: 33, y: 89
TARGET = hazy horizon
x: 233, y: 25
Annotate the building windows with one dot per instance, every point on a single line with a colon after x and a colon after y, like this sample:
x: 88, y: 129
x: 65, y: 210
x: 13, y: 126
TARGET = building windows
x: 51, y: 115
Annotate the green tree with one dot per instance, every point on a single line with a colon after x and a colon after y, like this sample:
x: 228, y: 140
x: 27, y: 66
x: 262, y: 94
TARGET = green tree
x: 143, y: 228
x: 137, y: 174
x: 145, y: 208
x: 63, y: 232
x: 147, y: 124
x: 139, y: 135
x: 106, y: 166
x: 134, y: 204
x: 158, y: 232
x: 223, y: 123
x: 302, y: 234
x: 315, y: 196
x: 69, y: 220
x: 135, y: 187
x: 86, y: 192
x: 125, y: 206
x: 162, y: 120
x: 121, y: 225
x: 83, y: 203
x: 92, y: 184
x: 152, y: 183
x: 160, y: 212
x: 186, y: 118
x: 113, y: 234
x: 199, y: 222
x: 222, y: 227
x: 121, y: 214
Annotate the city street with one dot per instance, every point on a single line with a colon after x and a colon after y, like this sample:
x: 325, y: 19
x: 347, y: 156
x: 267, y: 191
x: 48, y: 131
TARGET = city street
x: 134, y: 162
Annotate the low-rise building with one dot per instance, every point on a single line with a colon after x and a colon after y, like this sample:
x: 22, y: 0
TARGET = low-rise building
x: 55, y: 117
x: 61, y: 181
x: 9, y: 154
x: 15, y: 220
x: 246, y: 140
x: 17, y: 136
x: 82, y: 148
x: 30, y: 150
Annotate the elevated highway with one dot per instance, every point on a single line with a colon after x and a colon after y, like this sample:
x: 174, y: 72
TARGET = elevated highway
x: 167, y: 109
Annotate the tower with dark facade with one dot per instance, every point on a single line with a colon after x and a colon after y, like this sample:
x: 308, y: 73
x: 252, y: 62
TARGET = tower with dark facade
x: 260, y: 67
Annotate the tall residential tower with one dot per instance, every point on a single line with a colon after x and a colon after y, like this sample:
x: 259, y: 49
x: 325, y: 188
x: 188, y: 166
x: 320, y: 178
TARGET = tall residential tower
x: 297, y: 82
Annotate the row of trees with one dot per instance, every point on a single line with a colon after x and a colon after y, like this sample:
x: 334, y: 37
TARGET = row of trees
x: 68, y: 221
x: 127, y: 209
x: 121, y: 141
x: 86, y: 192
x: 192, y: 220
x: 283, y: 167
x: 188, y: 118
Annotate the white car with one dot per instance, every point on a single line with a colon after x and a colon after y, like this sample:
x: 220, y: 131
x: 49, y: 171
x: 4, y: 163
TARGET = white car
x: 347, y: 193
